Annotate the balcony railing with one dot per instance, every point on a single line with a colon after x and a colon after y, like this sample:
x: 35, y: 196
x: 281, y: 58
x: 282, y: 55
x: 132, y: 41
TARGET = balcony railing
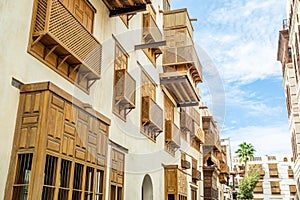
x: 172, y: 134
x: 196, y: 174
x: 59, y: 31
x: 121, y: 7
x: 152, y: 114
x: 185, y: 164
x: 125, y: 89
x: 186, y: 122
x: 151, y: 32
x: 180, y: 55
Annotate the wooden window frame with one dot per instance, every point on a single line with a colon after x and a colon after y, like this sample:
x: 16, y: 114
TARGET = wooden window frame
x: 118, y: 186
x: 87, y: 186
x: 148, y: 88
x: 38, y: 101
x: 63, y: 58
x: 149, y: 52
x: 121, y: 56
x: 274, y: 186
x: 24, y: 180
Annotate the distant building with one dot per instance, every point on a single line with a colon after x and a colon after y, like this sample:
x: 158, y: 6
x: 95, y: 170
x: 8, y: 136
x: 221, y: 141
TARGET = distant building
x: 289, y: 56
x: 276, y: 177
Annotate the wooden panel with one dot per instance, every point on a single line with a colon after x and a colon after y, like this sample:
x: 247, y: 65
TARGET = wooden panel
x: 82, y: 11
x: 148, y: 88
x: 28, y: 137
x: 117, y: 167
x: 168, y: 108
x: 70, y: 113
x: 171, y: 181
x: 182, y: 183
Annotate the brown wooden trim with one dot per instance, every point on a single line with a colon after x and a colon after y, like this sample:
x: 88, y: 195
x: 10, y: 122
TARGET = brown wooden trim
x: 13, y: 157
x: 42, y: 86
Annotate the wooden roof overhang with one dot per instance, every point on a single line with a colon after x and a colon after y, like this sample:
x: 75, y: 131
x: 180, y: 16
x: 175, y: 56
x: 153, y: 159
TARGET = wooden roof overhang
x: 181, y: 87
x: 121, y: 7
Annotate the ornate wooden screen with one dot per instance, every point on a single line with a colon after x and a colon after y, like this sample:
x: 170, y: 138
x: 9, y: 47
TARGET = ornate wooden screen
x: 117, y: 175
x: 124, y: 84
x: 57, y: 138
x: 61, y: 38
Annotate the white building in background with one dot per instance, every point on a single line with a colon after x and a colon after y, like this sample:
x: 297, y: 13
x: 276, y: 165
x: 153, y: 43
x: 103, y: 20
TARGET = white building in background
x: 228, y: 189
x: 276, y: 177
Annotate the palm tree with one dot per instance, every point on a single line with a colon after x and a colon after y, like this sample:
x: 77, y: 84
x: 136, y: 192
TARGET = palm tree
x: 245, y: 152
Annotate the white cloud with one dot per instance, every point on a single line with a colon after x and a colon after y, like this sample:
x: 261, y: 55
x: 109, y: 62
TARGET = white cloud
x: 267, y: 140
x: 242, y: 39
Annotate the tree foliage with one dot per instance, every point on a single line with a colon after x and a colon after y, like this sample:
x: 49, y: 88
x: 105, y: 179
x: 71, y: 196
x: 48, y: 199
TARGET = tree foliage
x: 245, y: 152
x: 247, y: 185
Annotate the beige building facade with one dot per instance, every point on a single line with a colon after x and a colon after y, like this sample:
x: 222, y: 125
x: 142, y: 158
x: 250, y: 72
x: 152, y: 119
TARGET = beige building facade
x: 100, y: 102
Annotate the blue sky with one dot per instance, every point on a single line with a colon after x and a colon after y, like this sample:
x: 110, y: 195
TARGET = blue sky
x: 240, y: 38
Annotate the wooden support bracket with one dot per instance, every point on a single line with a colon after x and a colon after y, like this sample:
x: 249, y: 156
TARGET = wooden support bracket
x: 62, y: 61
x: 36, y: 40
x: 51, y: 50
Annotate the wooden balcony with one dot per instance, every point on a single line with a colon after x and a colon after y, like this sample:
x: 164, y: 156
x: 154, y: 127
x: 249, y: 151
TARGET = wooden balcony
x: 121, y: 7
x: 223, y: 179
x: 196, y: 174
x: 258, y: 188
x: 198, y: 134
x: 224, y: 169
x: 172, y: 134
x: 125, y: 89
x: 186, y: 122
x: 184, y: 55
x: 57, y: 32
x: 152, y: 114
x: 151, y: 32
x: 185, y: 164
x: 221, y: 157
x: 275, y: 190
x: 181, y: 86
x: 211, y: 130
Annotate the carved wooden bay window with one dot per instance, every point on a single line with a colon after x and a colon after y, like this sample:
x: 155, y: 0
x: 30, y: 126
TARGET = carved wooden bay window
x: 124, y: 84
x: 61, y: 37
x: 196, y: 174
x: 117, y: 175
x: 175, y: 183
x: 151, y: 34
x: 60, y: 147
x: 182, y: 68
x: 184, y: 163
x: 172, y: 132
x: 151, y: 113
